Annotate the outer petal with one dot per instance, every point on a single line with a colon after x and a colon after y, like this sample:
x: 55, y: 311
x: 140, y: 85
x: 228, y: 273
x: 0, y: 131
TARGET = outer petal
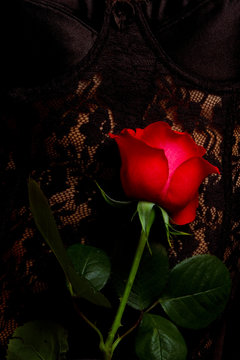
x: 144, y: 170
x: 186, y: 214
x: 178, y: 147
x: 139, y: 133
x: 184, y: 184
x: 124, y: 132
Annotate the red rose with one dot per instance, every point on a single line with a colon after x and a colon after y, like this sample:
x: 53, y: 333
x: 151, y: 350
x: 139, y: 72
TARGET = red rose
x: 165, y: 167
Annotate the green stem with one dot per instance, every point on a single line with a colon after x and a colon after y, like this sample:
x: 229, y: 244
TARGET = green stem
x: 120, y: 338
x: 109, y: 344
x: 152, y: 306
x: 94, y: 327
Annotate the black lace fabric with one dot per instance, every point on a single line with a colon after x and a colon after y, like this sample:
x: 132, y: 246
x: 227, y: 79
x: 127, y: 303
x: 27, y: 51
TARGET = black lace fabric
x: 58, y: 135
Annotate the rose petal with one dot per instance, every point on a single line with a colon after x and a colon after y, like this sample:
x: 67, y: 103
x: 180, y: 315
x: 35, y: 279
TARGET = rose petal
x: 139, y: 133
x: 144, y: 170
x: 124, y: 132
x: 183, y: 185
x: 186, y: 214
x: 178, y: 147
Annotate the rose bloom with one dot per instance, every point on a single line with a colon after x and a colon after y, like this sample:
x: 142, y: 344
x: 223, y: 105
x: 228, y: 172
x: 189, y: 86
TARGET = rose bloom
x: 164, y: 167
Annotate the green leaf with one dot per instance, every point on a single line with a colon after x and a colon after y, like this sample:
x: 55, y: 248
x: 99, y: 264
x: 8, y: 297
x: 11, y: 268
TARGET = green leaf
x: 165, y: 216
x: 166, y: 221
x: 159, y: 339
x: 146, y: 215
x: 45, y: 223
x: 38, y: 340
x: 198, y: 291
x: 91, y: 263
x: 113, y: 202
x: 174, y: 232
x: 150, y: 280
x: 170, y: 230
